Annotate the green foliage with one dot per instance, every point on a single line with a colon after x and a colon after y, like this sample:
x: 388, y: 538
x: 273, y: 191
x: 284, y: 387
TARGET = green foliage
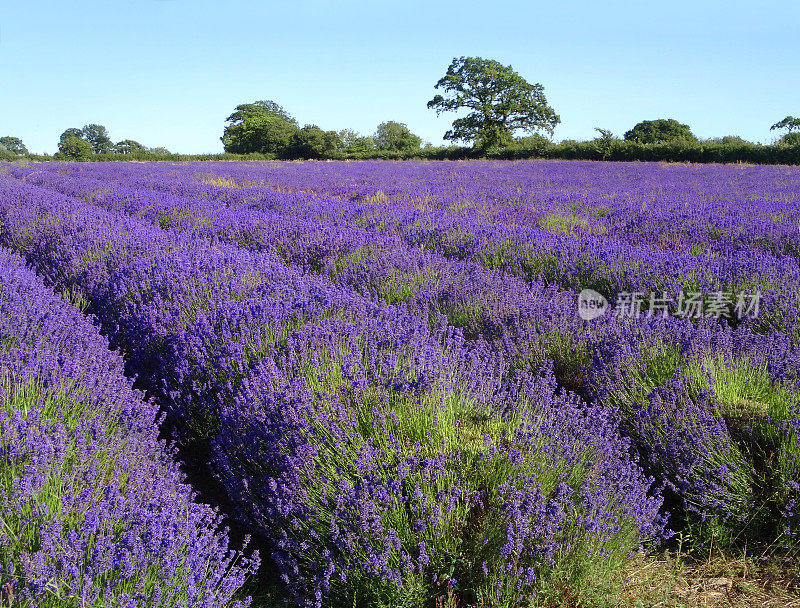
x: 727, y: 140
x: 533, y: 144
x: 69, y: 133
x: 313, y: 142
x: 247, y: 111
x: 262, y: 126
x: 659, y: 131
x: 97, y: 136
x: 13, y: 144
x: 605, y: 142
x: 355, y: 143
x: 127, y: 146
x: 790, y: 123
x: 790, y: 139
x: 708, y: 151
x: 605, y: 134
x: 74, y: 148
x: 500, y: 102
x: 391, y: 135
x: 563, y: 223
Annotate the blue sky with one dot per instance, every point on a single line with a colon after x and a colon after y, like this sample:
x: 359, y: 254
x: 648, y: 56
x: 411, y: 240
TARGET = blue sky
x: 168, y: 72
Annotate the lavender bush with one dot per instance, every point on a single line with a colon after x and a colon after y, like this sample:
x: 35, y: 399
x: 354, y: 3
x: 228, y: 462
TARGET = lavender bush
x: 94, y: 509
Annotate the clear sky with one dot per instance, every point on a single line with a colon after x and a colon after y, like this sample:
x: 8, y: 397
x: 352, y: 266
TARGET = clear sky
x: 168, y: 72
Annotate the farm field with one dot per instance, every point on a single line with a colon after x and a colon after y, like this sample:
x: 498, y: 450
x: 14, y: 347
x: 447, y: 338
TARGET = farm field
x: 398, y: 383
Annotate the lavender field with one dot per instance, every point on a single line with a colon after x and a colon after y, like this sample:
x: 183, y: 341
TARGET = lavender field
x: 397, y: 383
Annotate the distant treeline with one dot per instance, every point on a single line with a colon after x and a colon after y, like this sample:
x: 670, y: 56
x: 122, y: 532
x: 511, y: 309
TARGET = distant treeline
x: 709, y: 151
x: 616, y: 150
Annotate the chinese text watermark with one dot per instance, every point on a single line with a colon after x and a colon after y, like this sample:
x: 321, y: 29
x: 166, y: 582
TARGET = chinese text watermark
x: 687, y: 305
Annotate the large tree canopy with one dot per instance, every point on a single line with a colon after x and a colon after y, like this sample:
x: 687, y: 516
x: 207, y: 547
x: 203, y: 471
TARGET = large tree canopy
x: 262, y: 126
x: 659, y: 131
x: 391, y: 135
x: 246, y: 111
x: 70, y: 133
x: 500, y: 102
x: 790, y: 123
x: 74, y: 148
x: 13, y: 144
x: 97, y: 136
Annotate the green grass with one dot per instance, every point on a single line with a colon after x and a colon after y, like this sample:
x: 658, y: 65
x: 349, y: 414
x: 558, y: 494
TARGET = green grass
x: 744, y: 388
x: 563, y: 223
x: 763, y: 458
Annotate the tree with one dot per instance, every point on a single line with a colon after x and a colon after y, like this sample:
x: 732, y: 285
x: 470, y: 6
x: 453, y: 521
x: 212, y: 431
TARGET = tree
x: 391, y: 135
x: 313, y: 142
x: 605, y: 143
x: 728, y: 140
x: 71, y: 132
x: 659, y: 131
x: 13, y: 144
x: 790, y: 139
x: 499, y: 99
x: 97, y: 136
x: 74, y: 148
x: 246, y: 111
x: 128, y: 146
x: 263, y: 126
x: 790, y: 123
x: 355, y: 143
x: 605, y: 134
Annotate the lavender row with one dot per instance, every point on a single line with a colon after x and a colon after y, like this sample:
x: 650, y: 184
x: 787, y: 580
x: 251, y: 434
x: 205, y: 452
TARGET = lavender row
x: 95, y: 510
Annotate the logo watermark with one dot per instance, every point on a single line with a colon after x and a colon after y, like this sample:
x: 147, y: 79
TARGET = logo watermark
x: 591, y: 304
x: 686, y: 305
